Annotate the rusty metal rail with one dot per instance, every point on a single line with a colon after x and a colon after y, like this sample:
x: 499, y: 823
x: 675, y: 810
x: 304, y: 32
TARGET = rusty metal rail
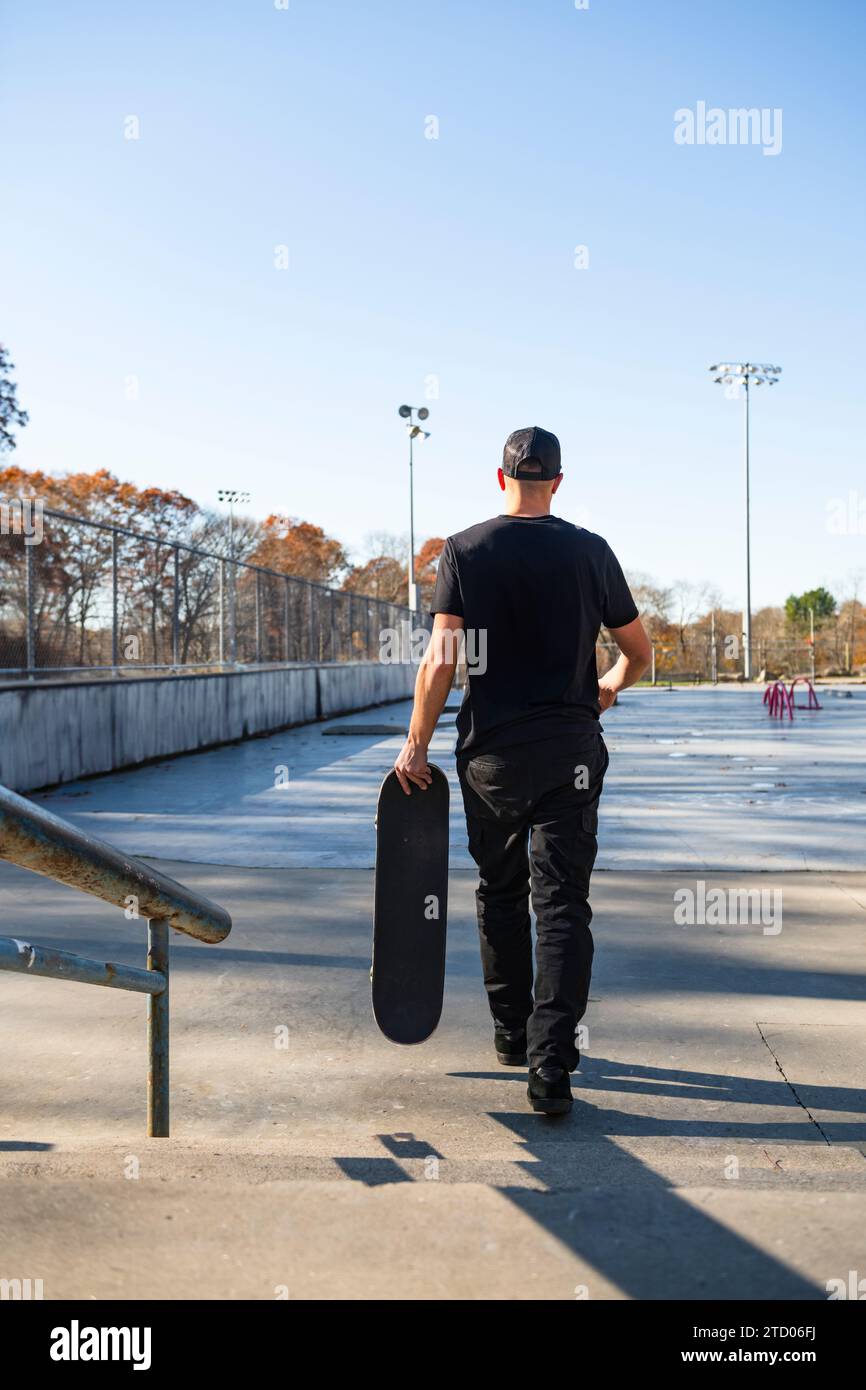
x: 35, y: 839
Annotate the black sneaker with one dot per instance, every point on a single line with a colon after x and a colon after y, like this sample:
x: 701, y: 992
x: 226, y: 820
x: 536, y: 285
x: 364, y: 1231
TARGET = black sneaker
x: 549, y: 1090
x: 510, y: 1048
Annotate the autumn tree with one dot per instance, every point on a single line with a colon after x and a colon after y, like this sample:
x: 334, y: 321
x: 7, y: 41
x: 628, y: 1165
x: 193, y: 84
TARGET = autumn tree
x: 382, y: 577
x: 653, y: 603
x: 388, y: 543
x: 851, y: 623
x: 149, y: 561
x: 688, y: 600
x: 300, y: 549
x: 385, y: 574
x: 74, y: 563
x: 426, y: 566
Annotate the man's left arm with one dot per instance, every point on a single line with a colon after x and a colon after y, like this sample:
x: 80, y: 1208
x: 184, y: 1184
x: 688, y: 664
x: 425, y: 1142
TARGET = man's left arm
x: 434, y: 680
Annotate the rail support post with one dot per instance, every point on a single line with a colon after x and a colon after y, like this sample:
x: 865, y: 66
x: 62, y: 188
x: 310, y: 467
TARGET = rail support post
x: 157, y: 1033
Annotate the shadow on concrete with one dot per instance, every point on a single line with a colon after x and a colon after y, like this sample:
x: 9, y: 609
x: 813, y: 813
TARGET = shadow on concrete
x: 117, y: 943
x: 614, y: 1211
x: 692, y: 1085
x: 373, y: 1172
x: 403, y: 1145
x: 640, y: 1234
x: 636, y: 970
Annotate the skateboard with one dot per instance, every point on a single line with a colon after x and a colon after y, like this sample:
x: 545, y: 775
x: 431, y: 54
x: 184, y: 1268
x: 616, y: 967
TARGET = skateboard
x: 410, y: 908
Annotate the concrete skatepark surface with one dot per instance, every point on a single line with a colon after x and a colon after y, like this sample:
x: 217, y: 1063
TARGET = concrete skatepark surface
x: 699, y: 779
x: 717, y: 1147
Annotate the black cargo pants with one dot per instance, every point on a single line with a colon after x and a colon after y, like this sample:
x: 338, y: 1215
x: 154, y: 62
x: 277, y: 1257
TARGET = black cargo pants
x: 532, y: 815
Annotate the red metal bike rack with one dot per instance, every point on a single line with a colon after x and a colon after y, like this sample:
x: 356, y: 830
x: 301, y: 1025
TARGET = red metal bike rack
x: 778, y: 700
x: 813, y: 702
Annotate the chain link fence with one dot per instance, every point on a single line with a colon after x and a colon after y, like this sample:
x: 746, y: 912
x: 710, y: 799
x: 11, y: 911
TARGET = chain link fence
x: 83, y: 597
x: 701, y: 658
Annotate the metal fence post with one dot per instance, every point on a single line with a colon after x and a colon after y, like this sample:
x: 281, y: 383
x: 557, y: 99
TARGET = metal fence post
x: 258, y: 617
x: 157, y: 1033
x: 332, y: 629
x: 30, y: 615
x: 175, y: 612
x: 222, y: 574
x: 233, y: 605
x: 114, y: 642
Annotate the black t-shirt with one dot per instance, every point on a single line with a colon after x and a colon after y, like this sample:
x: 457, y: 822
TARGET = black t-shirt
x: 533, y: 593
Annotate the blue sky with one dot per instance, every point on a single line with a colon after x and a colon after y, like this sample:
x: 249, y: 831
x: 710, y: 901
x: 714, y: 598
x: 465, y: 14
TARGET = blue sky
x: 412, y: 258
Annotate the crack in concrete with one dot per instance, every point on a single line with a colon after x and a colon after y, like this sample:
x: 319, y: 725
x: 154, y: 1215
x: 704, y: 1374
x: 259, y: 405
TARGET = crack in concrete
x: 791, y: 1086
x: 847, y: 893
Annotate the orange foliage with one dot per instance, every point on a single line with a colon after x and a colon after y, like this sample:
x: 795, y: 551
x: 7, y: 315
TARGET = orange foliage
x: 299, y: 548
x: 383, y: 577
x: 102, y: 497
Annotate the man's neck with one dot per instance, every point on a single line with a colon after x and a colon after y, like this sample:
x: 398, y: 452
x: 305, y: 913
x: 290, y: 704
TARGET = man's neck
x: 520, y: 508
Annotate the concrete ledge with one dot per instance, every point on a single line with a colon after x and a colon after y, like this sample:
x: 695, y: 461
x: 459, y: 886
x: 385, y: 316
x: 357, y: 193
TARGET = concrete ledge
x: 57, y: 732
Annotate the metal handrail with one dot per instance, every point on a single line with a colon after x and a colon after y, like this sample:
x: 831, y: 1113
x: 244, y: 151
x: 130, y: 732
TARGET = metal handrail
x: 37, y: 840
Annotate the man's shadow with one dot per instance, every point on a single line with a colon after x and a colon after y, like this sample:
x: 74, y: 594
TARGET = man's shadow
x: 628, y: 1221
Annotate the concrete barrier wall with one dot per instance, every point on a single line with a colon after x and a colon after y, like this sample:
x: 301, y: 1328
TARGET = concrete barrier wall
x: 56, y: 732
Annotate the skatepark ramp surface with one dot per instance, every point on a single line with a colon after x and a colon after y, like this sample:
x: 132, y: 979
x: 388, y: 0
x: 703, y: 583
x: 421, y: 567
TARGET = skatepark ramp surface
x: 35, y: 839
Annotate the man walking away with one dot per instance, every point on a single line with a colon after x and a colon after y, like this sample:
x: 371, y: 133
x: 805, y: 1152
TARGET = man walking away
x: 531, y: 592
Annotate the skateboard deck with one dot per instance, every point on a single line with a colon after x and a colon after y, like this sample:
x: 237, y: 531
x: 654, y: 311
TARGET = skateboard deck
x: 410, y: 908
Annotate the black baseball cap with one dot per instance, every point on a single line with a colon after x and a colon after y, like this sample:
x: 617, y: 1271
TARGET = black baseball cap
x: 533, y: 446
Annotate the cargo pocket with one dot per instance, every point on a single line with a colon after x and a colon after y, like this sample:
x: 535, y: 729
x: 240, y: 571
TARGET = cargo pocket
x: 589, y: 819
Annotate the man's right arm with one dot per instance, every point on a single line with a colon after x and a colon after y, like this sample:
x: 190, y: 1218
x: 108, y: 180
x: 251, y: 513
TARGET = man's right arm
x: 634, y: 658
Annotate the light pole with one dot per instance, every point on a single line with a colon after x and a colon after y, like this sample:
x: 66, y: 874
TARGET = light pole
x: 234, y: 497
x: 415, y: 431
x: 746, y: 374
